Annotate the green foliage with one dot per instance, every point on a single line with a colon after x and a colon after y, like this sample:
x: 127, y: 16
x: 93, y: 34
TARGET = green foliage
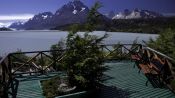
x: 165, y: 43
x: 95, y: 21
x: 155, y: 25
x: 5, y: 29
x: 115, y: 54
x: 93, y: 17
x: 84, y: 60
x: 173, y: 84
x: 50, y: 87
x: 20, y: 56
x: 60, y: 46
x: 44, y: 61
x: 120, y: 54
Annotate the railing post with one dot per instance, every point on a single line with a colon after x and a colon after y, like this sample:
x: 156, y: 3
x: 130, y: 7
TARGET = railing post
x: 42, y: 63
x: 4, y: 73
x: 54, y: 63
x: 11, y: 80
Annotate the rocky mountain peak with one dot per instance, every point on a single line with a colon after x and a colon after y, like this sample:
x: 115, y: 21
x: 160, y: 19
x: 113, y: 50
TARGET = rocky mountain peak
x: 72, y: 12
x: 42, y: 16
x: 136, y: 14
x: 73, y: 7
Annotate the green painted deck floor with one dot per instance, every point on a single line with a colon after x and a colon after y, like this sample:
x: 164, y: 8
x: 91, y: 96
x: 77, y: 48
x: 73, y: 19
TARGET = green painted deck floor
x: 124, y: 82
x: 128, y: 83
x: 30, y: 87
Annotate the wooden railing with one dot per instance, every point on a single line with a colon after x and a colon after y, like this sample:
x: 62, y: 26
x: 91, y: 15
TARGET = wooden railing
x: 8, y: 83
x: 120, y: 51
x: 36, y: 61
x: 23, y: 64
x: 156, y: 66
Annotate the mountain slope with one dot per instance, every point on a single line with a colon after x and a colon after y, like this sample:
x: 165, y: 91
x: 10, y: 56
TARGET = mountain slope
x: 72, y: 12
x: 136, y: 14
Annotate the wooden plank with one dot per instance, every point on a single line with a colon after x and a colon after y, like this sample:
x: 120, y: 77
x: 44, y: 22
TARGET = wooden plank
x: 135, y: 57
x: 144, y: 68
x: 148, y: 69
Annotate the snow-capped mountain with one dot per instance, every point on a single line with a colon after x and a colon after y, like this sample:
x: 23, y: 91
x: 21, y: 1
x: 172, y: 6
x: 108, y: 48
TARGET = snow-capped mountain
x: 136, y: 14
x: 1, y: 25
x: 72, y: 12
x: 17, y: 24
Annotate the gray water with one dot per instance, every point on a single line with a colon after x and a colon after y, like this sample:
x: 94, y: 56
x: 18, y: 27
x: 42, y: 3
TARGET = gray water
x: 11, y: 41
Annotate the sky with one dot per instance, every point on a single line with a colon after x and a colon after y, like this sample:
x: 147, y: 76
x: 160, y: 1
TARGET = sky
x: 25, y: 9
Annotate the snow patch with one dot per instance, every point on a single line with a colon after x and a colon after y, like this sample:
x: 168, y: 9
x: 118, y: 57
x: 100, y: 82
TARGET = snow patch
x: 82, y: 9
x: 44, y: 16
x: 1, y: 25
x: 147, y: 13
x: 74, y: 12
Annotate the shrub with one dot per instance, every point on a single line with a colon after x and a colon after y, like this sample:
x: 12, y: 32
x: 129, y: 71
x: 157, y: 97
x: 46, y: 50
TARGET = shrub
x: 165, y: 43
x: 84, y: 60
x: 173, y: 84
x: 50, y: 87
x: 60, y: 46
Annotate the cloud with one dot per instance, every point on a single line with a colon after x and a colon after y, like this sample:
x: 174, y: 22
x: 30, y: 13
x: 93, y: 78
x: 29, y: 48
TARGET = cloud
x: 7, y: 20
x: 1, y: 23
x: 16, y: 17
x: 5, y: 24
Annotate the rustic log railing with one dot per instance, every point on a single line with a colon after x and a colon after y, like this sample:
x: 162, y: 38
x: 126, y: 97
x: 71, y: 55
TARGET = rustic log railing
x: 23, y: 64
x: 36, y: 62
x: 162, y: 65
x: 157, y: 67
x: 41, y: 62
x: 120, y: 51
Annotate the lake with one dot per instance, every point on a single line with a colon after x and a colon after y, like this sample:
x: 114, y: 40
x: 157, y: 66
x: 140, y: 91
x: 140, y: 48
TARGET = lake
x: 11, y: 41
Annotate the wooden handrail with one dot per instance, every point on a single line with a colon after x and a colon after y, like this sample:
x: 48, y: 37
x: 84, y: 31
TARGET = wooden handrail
x: 159, y: 53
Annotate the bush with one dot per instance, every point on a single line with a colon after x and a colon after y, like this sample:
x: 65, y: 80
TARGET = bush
x: 50, y: 87
x: 60, y: 46
x: 165, y: 43
x: 173, y: 84
x: 84, y: 60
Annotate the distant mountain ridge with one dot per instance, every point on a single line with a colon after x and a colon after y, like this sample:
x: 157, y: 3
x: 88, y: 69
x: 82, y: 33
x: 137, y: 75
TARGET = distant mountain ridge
x: 76, y: 12
x: 136, y: 14
x: 72, y: 12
